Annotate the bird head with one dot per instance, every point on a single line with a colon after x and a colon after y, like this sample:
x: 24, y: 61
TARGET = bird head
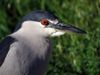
x: 46, y: 24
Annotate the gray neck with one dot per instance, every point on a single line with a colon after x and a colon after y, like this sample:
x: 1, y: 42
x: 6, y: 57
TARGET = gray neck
x: 27, y: 57
x: 35, y: 58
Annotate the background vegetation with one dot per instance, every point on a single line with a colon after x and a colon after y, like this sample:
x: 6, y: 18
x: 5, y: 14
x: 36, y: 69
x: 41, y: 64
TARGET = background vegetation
x: 72, y: 54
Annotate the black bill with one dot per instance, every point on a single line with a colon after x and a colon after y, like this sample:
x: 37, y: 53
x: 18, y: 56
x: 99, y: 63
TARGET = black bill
x: 67, y: 27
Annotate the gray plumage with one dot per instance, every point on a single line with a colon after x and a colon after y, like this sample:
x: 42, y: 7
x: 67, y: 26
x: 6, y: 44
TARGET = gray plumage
x: 27, y: 50
x: 26, y: 58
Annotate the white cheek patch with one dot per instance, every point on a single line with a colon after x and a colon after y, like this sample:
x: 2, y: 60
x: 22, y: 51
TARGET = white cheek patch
x: 50, y: 30
x: 58, y: 33
x: 53, y: 32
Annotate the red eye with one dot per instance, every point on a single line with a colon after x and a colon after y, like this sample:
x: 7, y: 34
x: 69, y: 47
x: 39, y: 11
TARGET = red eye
x: 44, y: 22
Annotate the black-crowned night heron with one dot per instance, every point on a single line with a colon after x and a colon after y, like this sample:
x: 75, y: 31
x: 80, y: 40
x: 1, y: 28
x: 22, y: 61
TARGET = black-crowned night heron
x: 27, y: 50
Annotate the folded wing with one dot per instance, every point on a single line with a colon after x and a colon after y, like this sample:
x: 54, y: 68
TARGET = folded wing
x: 4, y: 48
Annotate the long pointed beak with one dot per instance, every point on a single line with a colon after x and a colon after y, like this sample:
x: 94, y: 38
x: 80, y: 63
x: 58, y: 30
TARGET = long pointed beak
x: 67, y: 27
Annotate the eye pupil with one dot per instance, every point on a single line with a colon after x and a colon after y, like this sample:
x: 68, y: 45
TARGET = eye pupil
x: 44, y: 22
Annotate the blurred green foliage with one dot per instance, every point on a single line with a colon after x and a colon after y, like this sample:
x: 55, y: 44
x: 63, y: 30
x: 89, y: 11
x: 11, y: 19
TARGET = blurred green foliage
x: 72, y: 54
